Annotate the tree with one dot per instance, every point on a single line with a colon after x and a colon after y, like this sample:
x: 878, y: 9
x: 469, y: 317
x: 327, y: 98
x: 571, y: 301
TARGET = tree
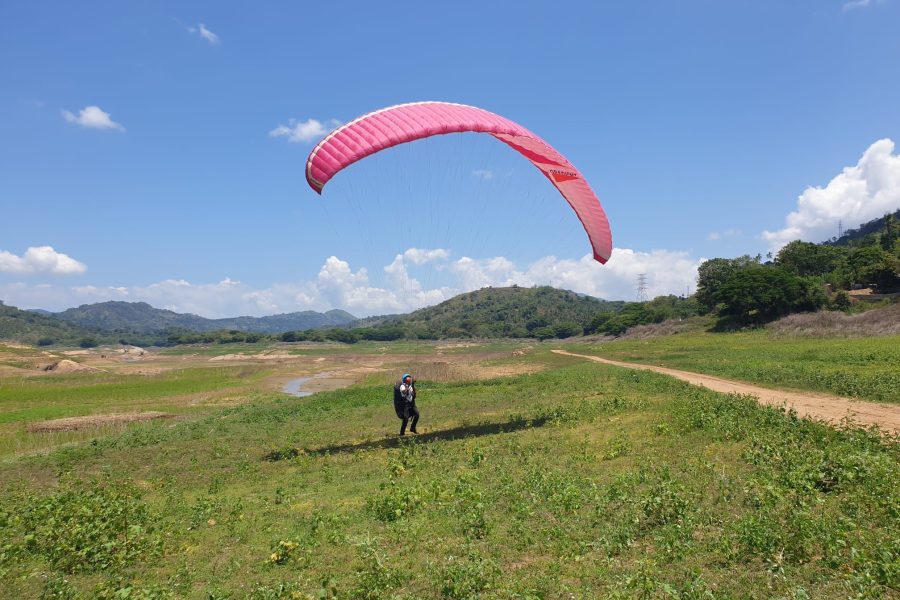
x: 804, y: 258
x: 891, y: 233
x: 761, y: 294
x: 88, y: 342
x: 866, y: 263
x: 599, y: 320
x: 565, y: 330
x: 714, y: 272
x: 342, y: 335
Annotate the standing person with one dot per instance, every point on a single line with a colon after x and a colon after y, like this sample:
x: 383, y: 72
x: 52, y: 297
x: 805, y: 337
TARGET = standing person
x: 405, y: 403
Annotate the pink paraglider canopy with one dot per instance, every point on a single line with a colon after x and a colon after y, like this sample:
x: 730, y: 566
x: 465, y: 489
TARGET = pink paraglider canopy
x: 408, y: 122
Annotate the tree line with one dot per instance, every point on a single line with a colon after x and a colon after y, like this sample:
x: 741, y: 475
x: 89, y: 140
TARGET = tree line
x: 801, y: 277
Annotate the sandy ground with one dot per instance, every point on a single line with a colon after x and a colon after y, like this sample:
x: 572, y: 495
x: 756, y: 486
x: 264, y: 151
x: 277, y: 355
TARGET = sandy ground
x: 69, y: 366
x: 832, y: 409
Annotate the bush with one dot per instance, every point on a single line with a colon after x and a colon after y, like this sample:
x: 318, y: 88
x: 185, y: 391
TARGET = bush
x: 544, y: 333
x: 841, y: 301
x: 565, y: 330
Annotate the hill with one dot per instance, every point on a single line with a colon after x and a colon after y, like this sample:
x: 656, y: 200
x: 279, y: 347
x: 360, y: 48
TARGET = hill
x: 502, y: 312
x: 27, y: 327
x: 875, y: 227
x: 140, y: 317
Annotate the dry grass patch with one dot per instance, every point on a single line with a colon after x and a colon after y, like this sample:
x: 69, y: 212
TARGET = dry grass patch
x: 94, y: 421
x: 668, y: 327
x: 876, y: 322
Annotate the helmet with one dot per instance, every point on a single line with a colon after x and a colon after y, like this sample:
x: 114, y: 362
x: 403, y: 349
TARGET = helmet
x: 405, y: 377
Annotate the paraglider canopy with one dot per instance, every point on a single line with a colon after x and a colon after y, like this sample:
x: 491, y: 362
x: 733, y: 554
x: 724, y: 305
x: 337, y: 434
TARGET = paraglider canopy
x: 403, y: 123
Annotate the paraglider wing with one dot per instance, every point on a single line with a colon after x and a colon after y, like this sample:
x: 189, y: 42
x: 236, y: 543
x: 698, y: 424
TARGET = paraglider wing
x: 408, y: 122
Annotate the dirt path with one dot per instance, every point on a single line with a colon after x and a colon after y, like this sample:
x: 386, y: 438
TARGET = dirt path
x: 807, y: 404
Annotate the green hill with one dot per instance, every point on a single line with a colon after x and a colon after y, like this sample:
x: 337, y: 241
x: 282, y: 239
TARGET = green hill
x: 28, y: 327
x: 865, y: 232
x: 503, y: 312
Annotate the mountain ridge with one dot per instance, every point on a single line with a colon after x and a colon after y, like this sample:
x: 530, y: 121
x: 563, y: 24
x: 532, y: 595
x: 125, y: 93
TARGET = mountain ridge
x: 141, y: 317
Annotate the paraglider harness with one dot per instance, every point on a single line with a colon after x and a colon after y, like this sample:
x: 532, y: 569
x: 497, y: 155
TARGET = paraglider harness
x: 401, y: 404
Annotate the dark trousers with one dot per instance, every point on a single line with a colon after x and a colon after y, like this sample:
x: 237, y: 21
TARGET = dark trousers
x: 411, y: 412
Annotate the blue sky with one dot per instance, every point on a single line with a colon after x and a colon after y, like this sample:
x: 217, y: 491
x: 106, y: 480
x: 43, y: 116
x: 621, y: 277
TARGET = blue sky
x: 139, y: 155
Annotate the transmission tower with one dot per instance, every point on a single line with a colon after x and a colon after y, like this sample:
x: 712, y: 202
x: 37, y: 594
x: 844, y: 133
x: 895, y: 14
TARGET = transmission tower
x: 642, y: 287
x: 840, y: 229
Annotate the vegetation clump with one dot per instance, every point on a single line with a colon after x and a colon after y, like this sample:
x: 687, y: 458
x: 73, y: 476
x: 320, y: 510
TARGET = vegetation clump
x: 85, y: 527
x: 745, y: 291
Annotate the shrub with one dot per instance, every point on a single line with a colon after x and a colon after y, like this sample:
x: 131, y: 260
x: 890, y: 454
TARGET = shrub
x: 88, y: 528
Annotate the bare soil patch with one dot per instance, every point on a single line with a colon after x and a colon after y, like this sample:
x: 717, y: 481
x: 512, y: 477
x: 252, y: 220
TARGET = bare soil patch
x: 69, y: 366
x: 833, y: 409
x: 326, y: 383
x: 510, y: 370
x: 92, y: 421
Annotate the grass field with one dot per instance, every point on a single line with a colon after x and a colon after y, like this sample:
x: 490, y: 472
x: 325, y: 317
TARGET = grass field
x: 182, y: 392
x: 578, y: 481
x: 866, y: 368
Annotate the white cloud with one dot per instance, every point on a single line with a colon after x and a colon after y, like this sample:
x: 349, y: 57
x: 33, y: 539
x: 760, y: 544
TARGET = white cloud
x: 93, y: 117
x: 860, y: 193
x: 854, y: 4
x: 205, y: 33
x: 718, y: 235
x: 304, y: 131
x: 421, y: 256
x: 485, y: 174
x: 40, y: 260
x: 667, y: 272
x: 337, y: 285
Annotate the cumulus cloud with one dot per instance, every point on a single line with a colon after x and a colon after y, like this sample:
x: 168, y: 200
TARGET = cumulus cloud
x: 485, y: 174
x: 858, y: 194
x: 304, y: 131
x: 93, y: 117
x: 421, y: 256
x: 40, y: 260
x: 205, y: 33
x: 339, y: 285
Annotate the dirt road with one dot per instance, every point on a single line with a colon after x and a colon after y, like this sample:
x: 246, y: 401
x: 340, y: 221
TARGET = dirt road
x: 807, y: 404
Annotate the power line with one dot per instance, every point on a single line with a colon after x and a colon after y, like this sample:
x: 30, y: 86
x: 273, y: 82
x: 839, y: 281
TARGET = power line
x: 642, y: 287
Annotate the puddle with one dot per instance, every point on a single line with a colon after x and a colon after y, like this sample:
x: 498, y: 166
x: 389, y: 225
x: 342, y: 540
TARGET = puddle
x: 294, y: 387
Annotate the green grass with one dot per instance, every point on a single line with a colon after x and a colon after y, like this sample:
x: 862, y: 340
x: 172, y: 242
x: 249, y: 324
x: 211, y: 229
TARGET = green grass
x: 25, y: 400
x: 29, y: 399
x: 866, y: 368
x: 581, y: 481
